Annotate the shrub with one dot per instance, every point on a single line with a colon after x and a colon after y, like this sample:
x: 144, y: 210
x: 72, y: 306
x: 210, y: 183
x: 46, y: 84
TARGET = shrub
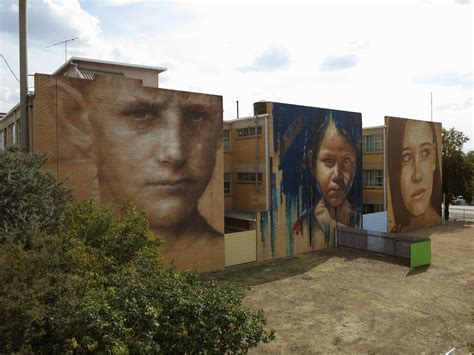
x: 30, y: 197
x: 92, y: 280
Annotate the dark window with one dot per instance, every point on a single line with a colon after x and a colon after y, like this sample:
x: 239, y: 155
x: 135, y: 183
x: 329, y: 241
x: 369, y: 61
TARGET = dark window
x: 248, y: 177
x: 372, y: 178
x: 249, y: 131
x: 372, y: 143
x: 226, y: 139
x: 227, y: 180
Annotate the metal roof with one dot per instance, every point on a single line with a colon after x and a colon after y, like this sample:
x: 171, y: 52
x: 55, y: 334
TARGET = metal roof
x: 89, y: 73
x: 242, y: 215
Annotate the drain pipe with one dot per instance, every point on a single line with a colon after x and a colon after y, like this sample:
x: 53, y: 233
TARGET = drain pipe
x: 384, y: 168
x: 256, y: 153
x: 267, y: 167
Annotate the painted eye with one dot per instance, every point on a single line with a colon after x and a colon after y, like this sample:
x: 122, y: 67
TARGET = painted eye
x: 142, y: 118
x: 328, y: 162
x: 195, y: 113
x: 425, y: 153
x: 406, y: 157
x: 348, y: 160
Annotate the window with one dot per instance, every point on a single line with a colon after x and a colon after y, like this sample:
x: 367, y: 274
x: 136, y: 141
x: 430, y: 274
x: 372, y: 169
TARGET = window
x: 227, y: 177
x: 371, y: 208
x: 10, y: 134
x: 17, y: 131
x: 372, y: 143
x: 249, y: 131
x: 372, y: 178
x: 226, y: 140
x: 1, y: 139
x: 249, y: 177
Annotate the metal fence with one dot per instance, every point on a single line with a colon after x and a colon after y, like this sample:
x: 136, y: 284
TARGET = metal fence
x: 460, y: 213
x: 379, y: 242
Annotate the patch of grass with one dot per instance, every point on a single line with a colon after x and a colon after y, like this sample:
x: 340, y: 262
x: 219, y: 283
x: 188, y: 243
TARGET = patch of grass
x: 470, y: 347
x: 272, y: 270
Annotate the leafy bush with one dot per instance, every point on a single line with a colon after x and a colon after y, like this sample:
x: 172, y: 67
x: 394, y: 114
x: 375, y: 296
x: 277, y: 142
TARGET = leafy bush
x: 29, y: 196
x: 98, y: 284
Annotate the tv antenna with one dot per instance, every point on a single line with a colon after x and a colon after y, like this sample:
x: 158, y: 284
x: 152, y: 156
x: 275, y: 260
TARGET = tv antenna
x: 65, y: 45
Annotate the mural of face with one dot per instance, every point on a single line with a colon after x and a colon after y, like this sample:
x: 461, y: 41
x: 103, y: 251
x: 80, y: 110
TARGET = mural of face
x: 335, y: 166
x: 157, y: 147
x: 417, y: 166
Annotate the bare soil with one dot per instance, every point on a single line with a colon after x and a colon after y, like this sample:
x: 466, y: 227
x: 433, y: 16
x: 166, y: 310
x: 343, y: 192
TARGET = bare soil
x: 349, y: 301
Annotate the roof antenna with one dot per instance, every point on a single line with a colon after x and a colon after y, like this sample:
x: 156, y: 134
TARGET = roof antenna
x: 65, y: 46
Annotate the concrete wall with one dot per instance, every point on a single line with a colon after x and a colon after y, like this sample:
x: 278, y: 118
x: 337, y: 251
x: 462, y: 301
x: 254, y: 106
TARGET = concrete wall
x: 114, y: 139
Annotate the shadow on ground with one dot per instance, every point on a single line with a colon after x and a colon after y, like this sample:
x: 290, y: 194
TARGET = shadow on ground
x: 256, y: 274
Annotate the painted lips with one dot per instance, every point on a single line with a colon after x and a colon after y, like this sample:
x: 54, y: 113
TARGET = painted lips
x: 170, y: 185
x: 335, y: 191
x: 418, y: 194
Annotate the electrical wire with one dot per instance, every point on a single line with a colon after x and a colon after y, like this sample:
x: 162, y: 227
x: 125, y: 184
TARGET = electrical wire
x: 8, y: 65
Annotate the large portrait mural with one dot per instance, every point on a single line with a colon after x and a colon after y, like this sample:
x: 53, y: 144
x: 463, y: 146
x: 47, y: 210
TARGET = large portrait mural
x: 119, y: 140
x: 316, y: 179
x: 414, y: 174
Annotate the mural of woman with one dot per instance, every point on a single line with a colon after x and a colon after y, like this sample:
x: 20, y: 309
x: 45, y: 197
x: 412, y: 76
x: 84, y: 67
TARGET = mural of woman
x: 414, y: 174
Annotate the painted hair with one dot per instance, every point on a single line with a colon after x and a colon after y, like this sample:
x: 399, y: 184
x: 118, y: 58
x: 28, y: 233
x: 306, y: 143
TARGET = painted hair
x: 396, y: 131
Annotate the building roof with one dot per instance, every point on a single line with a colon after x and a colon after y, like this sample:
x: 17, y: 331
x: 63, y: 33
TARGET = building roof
x: 72, y: 60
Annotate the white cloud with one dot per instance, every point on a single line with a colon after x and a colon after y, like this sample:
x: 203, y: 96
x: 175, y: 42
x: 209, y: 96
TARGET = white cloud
x: 204, y: 45
x: 51, y: 21
x: 457, y: 105
x: 119, y: 2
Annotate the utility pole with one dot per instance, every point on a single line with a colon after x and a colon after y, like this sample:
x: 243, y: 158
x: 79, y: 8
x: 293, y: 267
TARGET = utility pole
x: 432, y: 106
x: 23, y: 130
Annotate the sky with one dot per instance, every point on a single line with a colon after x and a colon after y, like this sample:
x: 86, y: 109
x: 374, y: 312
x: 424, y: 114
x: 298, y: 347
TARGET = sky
x: 380, y: 58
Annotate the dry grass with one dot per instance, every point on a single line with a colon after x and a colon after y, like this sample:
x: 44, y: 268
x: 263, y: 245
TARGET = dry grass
x: 351, y: 302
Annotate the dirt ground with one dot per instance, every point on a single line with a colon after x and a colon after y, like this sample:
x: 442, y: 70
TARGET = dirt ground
x: 353, y: 302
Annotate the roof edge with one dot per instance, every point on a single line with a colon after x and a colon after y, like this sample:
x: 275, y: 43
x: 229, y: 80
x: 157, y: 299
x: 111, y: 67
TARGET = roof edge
x: 72, y: 59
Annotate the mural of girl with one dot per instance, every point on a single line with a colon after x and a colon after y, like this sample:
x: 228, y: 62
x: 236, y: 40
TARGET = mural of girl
x: 414, y: 174
x: 333, y: 164
x: 321, y: 171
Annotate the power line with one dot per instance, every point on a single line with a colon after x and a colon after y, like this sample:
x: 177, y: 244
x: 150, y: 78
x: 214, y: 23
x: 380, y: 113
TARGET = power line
x: 8, y: 65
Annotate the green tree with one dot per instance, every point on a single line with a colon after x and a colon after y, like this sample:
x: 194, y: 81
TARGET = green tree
x: 30, y: 197
x: 456, y: 173
x: 469, y: 161
x: 98, y: 284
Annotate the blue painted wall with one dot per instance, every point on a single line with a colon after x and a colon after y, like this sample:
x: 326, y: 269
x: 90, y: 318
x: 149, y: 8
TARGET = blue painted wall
x: 291, y: 225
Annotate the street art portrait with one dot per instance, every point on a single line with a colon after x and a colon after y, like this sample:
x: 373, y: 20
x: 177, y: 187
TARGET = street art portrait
x: 159, y: 148
x: 318, y: 175
x: 414, y: 174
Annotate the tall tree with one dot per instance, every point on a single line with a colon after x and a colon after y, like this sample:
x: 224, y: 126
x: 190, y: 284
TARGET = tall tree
x: 456, y: 173
x: 469, y: 160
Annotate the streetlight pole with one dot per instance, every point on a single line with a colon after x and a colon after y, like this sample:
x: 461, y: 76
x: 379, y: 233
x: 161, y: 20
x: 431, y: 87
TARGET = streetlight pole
x: 23, y: 129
